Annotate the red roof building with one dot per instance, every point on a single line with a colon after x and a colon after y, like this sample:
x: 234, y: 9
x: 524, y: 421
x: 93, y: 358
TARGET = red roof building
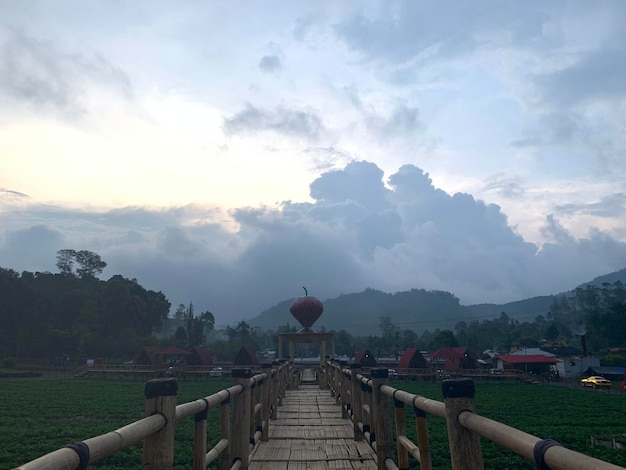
x: 534, y: 363
x: 246, y: 357
x: 200, y: 357
x: 365, y: 358
x: 453, y: 358
x: 412, y: 359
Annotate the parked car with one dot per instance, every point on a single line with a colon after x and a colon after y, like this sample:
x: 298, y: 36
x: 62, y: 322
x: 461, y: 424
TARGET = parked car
x: 216, y: 372
x: 595, y: 381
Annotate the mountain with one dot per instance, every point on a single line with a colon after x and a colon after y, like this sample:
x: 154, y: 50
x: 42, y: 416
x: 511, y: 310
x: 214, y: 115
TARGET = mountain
x: 360, y: 313
x: 417, y: 310
x: 610, y: 278
x: 521, y: 310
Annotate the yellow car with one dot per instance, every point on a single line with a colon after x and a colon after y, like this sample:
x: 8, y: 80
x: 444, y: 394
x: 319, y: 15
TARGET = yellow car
x: 595, y: 381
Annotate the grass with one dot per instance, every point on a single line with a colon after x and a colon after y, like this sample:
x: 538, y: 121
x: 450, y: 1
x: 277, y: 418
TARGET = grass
x: 39, y: 416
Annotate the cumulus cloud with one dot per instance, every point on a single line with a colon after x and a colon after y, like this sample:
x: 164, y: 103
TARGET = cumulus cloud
x: 360, y: 231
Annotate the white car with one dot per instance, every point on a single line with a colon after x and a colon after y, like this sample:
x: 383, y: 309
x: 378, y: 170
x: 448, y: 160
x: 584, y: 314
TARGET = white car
x: 216, y: 372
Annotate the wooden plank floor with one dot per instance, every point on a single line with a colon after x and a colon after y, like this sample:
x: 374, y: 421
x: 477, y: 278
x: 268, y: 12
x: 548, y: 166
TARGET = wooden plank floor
x: 310, y: 434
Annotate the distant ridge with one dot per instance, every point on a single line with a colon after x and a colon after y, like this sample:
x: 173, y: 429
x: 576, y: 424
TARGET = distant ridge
x: 418, y: 310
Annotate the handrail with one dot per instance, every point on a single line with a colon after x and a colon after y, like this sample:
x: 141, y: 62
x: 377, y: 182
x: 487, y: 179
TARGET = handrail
x: 260, y: 393
x: 458, y: 410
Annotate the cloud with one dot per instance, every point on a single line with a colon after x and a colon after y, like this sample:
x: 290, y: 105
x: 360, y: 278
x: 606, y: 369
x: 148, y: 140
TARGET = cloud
x: 597, y: 75
x: 39, y: 74
x: 506, y: 186
x: 613, y: 205
x: 304, y: 124
x: 359, y: 231
x: 401, y: 32
x: 270, y: 64
x: 34, y: 246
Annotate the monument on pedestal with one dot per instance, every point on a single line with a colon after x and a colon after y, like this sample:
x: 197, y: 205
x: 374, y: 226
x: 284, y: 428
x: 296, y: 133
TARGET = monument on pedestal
x: 307, y: 310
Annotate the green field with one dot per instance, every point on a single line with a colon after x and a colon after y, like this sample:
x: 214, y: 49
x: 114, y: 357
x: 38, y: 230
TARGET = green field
x: 570, y: 416
x: 39, y: 416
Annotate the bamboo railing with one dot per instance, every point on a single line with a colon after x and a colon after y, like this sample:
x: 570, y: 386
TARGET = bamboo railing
x: 366, y: 401
x: 246, y: 410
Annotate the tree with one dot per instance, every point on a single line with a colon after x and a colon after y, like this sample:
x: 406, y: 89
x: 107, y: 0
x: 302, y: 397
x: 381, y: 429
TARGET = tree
x: 388, y: 335
x: 443, y: 338
x: 180, y: 312
x: 90, y: 263
x: 552, y: 332
x: 65, y: 262
x: 197, y: 326
x: 180, y: 337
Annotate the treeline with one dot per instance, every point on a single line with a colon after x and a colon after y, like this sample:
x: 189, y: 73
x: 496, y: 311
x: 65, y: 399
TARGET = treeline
x: 45, y: 315
x: 73, y: 313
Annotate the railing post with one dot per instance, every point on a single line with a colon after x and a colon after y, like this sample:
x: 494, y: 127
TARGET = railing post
x: 253, y: 416
x: 368, y: 418
x: 465, y: 453
x: 240, y: 427
x: 199, y: 439
x: 158, y: 448
x: 323, y: 365
x: 276, y: 400
x: 382, y: 422
x: 403, y: 453
x: 225, y: 462
x: 266, y: 400
x: 345, y: 387
x: 356, y: 402
x: 282, y: 386
x: 423, y: 441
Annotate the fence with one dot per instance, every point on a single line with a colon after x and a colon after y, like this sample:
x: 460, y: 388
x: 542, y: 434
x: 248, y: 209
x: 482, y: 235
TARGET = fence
x: 366, y: 402
x: 248, y: 405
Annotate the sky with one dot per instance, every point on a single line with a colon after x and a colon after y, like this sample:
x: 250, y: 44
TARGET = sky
x: 229, y: 153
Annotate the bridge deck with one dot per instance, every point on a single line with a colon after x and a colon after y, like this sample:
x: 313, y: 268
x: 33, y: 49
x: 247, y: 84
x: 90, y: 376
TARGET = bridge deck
x: 310, y: 434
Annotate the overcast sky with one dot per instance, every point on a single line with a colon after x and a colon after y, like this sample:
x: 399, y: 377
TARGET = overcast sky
x: 228, y: 153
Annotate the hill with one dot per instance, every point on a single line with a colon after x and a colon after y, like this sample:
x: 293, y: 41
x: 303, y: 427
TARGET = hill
x: 417, y: 310
x: 359, y: 313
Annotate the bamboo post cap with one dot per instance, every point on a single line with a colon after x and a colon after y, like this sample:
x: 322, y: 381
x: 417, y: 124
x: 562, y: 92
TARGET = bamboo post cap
x: 161, y: 387
x: 458, y: 388
x: 241, y: 373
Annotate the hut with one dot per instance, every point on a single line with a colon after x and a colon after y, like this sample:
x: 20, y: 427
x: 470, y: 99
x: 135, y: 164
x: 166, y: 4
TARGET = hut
x: 412, y: 359
x: 199, y: 357
x: 246, y: 357
x: 453, y: 358
x: 147, y: 356
x: 172, y: 355
x: 365, y: 358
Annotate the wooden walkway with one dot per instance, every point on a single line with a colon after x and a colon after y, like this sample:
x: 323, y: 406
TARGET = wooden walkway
x: 310, y: 434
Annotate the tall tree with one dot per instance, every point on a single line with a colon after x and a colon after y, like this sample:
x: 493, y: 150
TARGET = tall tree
x: 198, y: 326
x: 90, y: 263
